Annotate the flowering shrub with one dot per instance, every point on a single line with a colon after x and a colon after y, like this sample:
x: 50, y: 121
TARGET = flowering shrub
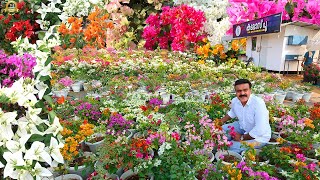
x: 74, y: 132
x: 118, y: 151
x: 175, y: 28
x: 312, y: 72
x: 217, y: 20
x: 21, y: 23
x: 86, y: 110
x: 14, y: 67
x: 117, y: 124
x: 297, y: 10
x: 94, y: 34
x: 66, y: 81
x: 221, y: 53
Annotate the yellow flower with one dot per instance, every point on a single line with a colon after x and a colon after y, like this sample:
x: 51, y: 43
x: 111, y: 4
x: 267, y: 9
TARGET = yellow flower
x: 156, y: 109
x: 207, y: 107
x: 251, y: 156
x: 280, y: 140
x: 308, y: 122
x: 201, y: 61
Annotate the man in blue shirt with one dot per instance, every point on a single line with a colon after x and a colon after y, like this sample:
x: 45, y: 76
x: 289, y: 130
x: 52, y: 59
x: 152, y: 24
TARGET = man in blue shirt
x: 308, y: 58
x: 307, y: 61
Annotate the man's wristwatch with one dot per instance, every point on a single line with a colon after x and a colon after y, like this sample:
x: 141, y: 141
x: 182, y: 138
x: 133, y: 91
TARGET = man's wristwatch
x: 241, y: 138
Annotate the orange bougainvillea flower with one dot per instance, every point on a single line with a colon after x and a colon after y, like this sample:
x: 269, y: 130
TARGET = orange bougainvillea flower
x: 72, y: 40
x: 96, y: 31
x: 63, y: 29
x: 61, y: 100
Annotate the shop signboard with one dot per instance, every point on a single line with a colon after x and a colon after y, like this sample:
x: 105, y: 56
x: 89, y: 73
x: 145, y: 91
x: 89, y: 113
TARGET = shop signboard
x: 265, y: 25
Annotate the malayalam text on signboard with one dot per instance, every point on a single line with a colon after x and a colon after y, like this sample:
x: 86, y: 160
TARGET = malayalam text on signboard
x: 265, y: 25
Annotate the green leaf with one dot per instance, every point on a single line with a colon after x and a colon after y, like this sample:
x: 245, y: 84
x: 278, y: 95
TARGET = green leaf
x: 48, y: 61
x: 36, y: 137
x: 47, y: 139
x: 52, y: 115
x: 41, y: 35
x: 48, y: 99
x: 289, y: 8
x: 44, y: 78
x: 4, y: 99
x: 40, y: 104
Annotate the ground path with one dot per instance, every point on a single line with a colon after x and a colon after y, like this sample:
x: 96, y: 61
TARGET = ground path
x: 315, y: 97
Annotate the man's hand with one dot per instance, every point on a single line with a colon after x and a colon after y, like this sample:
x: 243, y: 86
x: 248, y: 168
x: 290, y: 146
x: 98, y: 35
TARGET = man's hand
x: 237, y: 137
x: 218, y: 122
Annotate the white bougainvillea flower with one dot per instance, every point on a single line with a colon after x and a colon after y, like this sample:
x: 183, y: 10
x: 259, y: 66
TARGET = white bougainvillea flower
x: 55, y: 1
x: 44, y: 25
x: 7, y: 118
x: 12, y: 159
x: 18, y: 144
x: 55, y: 127
x: 28, y: 126
x: 6, y: 132
x: 22, y: 174
x: 41, y: 88
x: 32, y: 115
x: 39, y: 172
x: 52, y: 8
x: 42, y: 11
x: 38, y: 153
x: 54, y: 150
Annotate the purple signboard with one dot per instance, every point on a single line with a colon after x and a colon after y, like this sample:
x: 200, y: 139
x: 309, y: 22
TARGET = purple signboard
x: 265, y: 25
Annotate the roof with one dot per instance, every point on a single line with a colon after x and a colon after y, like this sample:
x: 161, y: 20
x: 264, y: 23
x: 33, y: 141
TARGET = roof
x: 303, y: 24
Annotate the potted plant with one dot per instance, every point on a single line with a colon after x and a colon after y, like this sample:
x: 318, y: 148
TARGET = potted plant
x: 94, y: 141
x: 311, y: 73
x: 68, y: 177
x: 228, y: 157
x: 119, y: 154
x: 62, y: 87
x: 307, y: 91
x: 77, y: 159
x: 251, y: 155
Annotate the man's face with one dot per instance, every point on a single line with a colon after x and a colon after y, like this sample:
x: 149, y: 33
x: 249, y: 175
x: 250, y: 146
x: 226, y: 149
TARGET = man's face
x: 243, y: 92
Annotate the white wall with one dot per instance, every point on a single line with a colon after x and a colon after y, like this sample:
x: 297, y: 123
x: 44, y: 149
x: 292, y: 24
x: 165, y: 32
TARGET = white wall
x: 253, y: 54
x: 274, y: 51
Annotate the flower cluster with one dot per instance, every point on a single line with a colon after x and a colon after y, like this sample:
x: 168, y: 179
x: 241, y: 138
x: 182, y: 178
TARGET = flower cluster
x: 176, y: 28
x: 74, y: 133
x: 20, y: 23
x: 88, y: 111
x: 217, y: 22
x: 66, y: 81
x: 256, y: 174
x: 298, y: 10
x: 117, y: 123
x: 94, y: 34
x: 312, y: 72
x: 14, y: 67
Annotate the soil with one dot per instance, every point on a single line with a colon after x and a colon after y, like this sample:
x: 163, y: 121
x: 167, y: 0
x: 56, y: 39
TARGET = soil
x: 79, y: 161
x: 230, y: 159
x: 272, y: 140
x: 135, y: 177
x: 96, y: 139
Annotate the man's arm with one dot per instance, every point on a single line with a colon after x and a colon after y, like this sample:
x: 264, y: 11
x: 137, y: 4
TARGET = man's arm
x: 225, y: 118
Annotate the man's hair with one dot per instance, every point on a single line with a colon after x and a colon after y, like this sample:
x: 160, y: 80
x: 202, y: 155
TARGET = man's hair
x: 242, y: 81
